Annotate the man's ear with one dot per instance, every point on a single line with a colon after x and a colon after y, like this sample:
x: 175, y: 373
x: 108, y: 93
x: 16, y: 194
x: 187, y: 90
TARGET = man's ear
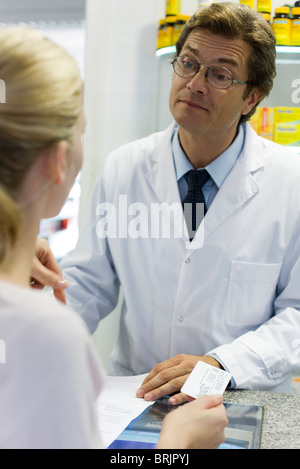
x: 252, y: 99
x: 59, y: 154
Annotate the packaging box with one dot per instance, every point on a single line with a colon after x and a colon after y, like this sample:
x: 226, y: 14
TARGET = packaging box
x: 255, y: 120
x: 287, y: 126
x: 286, y: 114
x: 287, y: 133
x: 262, y: 122
x: 266, y: 122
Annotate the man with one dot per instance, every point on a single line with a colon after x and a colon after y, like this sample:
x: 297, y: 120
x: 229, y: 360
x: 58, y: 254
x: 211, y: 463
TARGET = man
x: 226, y: 292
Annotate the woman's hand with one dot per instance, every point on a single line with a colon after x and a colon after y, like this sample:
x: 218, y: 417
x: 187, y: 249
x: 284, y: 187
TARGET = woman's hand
x: 200, y: 424
x: 46, y: 271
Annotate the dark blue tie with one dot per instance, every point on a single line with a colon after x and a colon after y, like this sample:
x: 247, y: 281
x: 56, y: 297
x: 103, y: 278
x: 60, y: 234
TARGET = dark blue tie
x: 194, y: 204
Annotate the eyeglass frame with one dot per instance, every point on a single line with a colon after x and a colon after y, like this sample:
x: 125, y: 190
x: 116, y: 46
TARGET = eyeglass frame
x: 199, y: 64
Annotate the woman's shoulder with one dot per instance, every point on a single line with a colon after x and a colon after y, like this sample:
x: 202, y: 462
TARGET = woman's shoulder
x: 40, y: 317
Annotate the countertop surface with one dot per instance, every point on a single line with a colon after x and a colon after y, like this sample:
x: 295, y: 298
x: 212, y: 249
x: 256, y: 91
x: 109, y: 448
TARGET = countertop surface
x: 281, y: 416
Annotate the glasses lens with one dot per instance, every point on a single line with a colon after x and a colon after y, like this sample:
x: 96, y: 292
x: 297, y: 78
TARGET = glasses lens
x: 185, y: 66
x: 219, y: 77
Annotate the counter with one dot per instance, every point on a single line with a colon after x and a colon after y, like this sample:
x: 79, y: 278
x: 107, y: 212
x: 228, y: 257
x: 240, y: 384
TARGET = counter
x: 281, y: 416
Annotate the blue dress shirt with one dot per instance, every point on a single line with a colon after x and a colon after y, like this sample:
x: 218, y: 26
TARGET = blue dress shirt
x: 217, y: 169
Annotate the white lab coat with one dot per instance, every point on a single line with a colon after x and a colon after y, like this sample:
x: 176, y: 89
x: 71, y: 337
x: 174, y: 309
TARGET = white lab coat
x: 237, y: 294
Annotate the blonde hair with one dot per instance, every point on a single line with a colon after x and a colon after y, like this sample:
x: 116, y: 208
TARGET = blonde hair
x: 42, y: 104
x: 10, y: 221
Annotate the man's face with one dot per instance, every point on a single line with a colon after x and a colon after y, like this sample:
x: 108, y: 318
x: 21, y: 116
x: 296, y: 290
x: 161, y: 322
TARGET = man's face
x: 195, y: 104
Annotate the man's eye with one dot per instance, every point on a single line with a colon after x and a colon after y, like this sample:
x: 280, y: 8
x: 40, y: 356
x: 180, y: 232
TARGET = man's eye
x: 188, y: 65
x: 220, y: 77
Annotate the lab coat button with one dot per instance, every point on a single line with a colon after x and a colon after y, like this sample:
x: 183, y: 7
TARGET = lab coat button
x: 187, y: 261
x: 180, y: 318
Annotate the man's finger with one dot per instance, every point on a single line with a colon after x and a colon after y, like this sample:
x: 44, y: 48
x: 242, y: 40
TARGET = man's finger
x: 164, y: 389
x: 179, y: 398
x: 159, y: 368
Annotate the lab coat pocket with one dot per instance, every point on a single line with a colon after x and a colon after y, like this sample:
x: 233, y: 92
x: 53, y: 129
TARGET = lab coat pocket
x: 251, y: 293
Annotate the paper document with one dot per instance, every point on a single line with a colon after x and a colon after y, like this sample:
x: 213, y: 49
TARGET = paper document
x: 206, y: 379
x: 243, y: 430
x: 118, y: 405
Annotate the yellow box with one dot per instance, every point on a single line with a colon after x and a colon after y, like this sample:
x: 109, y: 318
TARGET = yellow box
x: 286, y: 114
x: 287, y: 125
x: 266, y: 122
x: 287, y: 133
x: 255, y: 120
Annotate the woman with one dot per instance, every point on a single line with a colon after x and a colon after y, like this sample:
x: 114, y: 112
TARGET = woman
x: 51, y: 379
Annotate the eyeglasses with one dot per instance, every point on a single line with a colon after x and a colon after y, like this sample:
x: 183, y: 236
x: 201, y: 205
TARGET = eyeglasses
x: 218, y: 77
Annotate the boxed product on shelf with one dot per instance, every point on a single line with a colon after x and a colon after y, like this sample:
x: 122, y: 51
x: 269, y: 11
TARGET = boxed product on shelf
x: 287, y: 125
x: 255, y: 120
x: 287, y: 114
x: 287, y: 133
x: 267, y: 122
x: 280, y: 124
x: 263, y: 122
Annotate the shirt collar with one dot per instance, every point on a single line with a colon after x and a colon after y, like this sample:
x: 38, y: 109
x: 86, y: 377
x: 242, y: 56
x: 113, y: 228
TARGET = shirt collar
x: 219, y: 168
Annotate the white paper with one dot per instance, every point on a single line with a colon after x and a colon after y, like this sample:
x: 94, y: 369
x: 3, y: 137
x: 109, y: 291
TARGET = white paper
x: 118, y: 405
x: 206, y: 379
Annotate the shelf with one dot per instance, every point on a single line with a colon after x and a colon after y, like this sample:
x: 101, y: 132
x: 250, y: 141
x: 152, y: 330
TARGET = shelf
x: 165, y: 52
x: 288, y: 49
x: 282, y: 51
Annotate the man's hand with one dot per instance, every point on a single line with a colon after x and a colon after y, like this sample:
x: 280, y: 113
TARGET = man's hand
x: 169, y: 376
x: 45, y: 271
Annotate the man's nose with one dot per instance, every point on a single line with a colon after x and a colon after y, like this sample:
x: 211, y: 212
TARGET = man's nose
x: 198, y: 83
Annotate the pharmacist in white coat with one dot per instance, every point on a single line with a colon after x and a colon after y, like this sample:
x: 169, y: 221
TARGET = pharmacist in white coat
x: 231, y: 296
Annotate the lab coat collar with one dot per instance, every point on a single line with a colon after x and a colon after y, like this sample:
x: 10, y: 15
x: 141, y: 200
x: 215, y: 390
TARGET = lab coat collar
x: 161, y: 176
x: 253, y: 159
x: 241, y: 184
x: 162, y: 172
